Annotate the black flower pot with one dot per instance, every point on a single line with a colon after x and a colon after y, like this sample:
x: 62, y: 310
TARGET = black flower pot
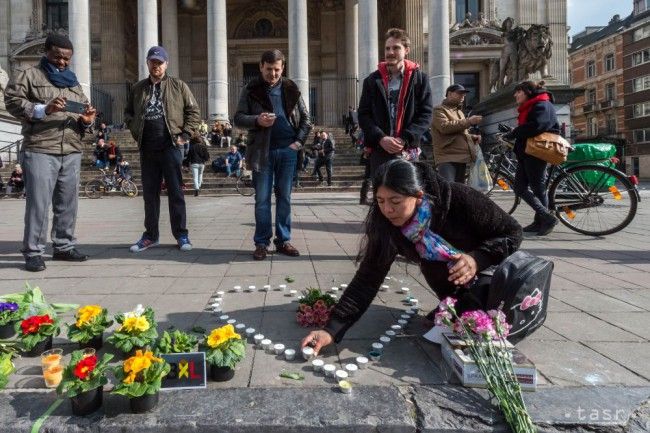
x: 96, y: 343
x: 39, y: 348
x: 221, y: 374
x: 143, y: 404
x: 87, y: 402
x: 7, y: 331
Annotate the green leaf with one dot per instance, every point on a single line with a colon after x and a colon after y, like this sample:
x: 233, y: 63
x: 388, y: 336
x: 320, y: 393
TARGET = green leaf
x: 198, y: 329
x: 292, y: 375
x: 290, y: 279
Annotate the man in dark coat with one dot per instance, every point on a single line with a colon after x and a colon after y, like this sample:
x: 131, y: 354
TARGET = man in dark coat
x: 272, y: 110
x: 395, y: 109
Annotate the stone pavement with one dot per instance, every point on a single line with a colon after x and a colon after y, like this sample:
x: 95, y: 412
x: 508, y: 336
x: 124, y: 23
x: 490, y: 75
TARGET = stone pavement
x: 592, y: 353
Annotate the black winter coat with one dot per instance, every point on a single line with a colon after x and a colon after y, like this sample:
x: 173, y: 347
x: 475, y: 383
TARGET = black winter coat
x: 541, y: 118
x: 198, y: 154
x: 465, y: 218
x: 374, y: 117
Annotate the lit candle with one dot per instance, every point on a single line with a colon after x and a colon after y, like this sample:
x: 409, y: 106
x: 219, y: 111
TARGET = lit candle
x: 53, y: 376
x: 51, y: 358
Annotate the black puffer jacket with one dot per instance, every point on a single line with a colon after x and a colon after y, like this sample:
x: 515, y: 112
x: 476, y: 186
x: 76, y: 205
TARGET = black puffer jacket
x: 541, y: 118
x: 464, y: 217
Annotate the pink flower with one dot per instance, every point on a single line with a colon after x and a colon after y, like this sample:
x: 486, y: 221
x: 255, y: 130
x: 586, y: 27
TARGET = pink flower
x: 447, y: 304
x: 501, y: 326
x: 304, y: 308
x: 443, y: 318
x: 320, y: 304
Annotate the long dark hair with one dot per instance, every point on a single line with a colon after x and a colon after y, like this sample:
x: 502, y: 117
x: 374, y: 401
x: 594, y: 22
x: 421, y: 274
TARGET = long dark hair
x: 404, y: 178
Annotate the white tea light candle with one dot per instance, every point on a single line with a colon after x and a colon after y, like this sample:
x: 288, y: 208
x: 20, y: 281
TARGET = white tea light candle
x: 405, y: 290
x: 237, y: 288
x: 289, y: 354
x: 351, y: 369
x: 258, y: 338
x: 307, y: 353
x: 361, y: 361
x: 266, y: 343
x: 384, y: 340
x: 279, y: 349
x: 377, y: 347
x: 329, y: 369
x: 341, y: 374
x: 317, y: 365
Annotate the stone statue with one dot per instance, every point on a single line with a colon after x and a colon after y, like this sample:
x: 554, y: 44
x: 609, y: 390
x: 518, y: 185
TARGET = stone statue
x: 524, y: 53
x: 4, y: 79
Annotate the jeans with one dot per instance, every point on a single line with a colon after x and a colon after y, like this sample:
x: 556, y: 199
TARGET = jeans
x: 197, y: 174
x: 452, y: 171
x: 530, y: 182
x: 156, y: 166
x: 327, y: 162
x: 278, y: 171
x: 232, y: 169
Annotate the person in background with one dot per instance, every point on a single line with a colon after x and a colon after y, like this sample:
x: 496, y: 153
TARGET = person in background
x: 197, y: 156
x: 234, y: 162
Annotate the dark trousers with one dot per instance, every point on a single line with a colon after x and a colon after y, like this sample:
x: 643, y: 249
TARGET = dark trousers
x: 378, y: 157
x: 157, y: 166
x: 530, y: 182
x: 452, y: 171
x: 327, y: 162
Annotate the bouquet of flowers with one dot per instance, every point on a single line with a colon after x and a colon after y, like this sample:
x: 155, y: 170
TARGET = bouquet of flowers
x: 177, y: 342
x: 84, y: 373
x: 314, y: 308
x: 90, y: 322
x: 485, y: 336
x: 32, y: 302
x: 137, y: 329
x: 140, y: 375
x: 36, y: 329
x: 225, y: 348
x: 9, y: 312
x: 8, y: 350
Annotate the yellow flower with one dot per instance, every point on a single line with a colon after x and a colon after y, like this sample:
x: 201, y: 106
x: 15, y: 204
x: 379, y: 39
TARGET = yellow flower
x: 137, y: 363
x: 221, y: 335
x: 132, y: 324
x: 86, y: 314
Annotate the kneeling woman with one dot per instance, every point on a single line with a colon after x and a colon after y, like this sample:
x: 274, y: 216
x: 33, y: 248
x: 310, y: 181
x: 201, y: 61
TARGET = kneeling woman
x: 452, y: 231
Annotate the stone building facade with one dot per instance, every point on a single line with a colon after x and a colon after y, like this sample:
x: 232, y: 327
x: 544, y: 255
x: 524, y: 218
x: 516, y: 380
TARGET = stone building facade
x: 331, y: 45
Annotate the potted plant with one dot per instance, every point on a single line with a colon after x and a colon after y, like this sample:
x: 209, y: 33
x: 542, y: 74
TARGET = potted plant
x: 32, y: 302
x: 8, y: 351
x: 137, y: 330
x: 36, y: 333
x: 177, y: 342
x: 314, y: 308
x: 83, y: 382
x: 89, y: 326
x: 224, y: 349
x: 139, y: 378
x: 9, y: 313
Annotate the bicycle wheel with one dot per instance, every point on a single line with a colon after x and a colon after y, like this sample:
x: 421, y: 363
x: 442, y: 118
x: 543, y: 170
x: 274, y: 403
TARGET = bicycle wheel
x: 503, y: 192
x: 94, y: 188
x: 129, y: 188
x: 245, y: 185
x: 593, y: 199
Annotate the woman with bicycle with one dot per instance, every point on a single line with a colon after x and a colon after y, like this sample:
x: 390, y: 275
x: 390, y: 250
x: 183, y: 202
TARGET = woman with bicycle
x: 449, y: 229
x: 536, y: 115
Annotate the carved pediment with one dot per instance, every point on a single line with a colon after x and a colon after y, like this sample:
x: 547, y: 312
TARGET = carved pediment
x: 35, y: 48
x: 476, y: 36
x: 266, y: 19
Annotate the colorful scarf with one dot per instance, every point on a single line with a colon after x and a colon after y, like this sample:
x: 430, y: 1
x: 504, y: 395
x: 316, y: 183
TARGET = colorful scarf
x: 60, y: 79
x: 430, y: 246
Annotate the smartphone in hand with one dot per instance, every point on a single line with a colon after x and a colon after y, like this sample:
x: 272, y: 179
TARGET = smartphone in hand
x: 75, y: 107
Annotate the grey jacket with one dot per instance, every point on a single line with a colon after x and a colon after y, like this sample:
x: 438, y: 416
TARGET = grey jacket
x: 254, y: 100
x: 59, y: 133
x: 182, y: 113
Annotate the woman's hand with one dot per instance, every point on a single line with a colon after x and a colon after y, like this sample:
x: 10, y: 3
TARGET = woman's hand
x: 317, y: 340
x: 463, y: 271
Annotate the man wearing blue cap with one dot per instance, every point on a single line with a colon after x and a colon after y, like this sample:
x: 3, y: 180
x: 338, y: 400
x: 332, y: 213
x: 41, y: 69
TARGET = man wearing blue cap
x: 162, y: 114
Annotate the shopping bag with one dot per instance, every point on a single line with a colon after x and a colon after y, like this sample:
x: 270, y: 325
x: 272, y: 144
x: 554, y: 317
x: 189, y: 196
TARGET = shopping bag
x: 479, y: 175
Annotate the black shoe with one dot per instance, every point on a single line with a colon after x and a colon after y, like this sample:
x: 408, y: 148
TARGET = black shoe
x: 547, y: 223
x: 196, y: 193
x: 69, y: 256
x: 534, y: 226
x: 34, y: 264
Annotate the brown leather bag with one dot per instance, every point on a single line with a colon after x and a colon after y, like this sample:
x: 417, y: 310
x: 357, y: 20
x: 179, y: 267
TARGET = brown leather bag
x: 549, y: 147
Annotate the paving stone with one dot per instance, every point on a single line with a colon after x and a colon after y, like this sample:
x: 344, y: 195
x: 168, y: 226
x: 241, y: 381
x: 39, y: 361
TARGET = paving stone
x: 589, y: 329
x: 633, y: 322
x: 638, y: 297
x: 633, y: 356
x: 593, y: 301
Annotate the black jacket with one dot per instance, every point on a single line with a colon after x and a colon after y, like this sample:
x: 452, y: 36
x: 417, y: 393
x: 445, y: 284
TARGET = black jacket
x: 541, y: 118
x: 198, y: 154
x: 464, y: 217
x: 374, y: 118
x: 253, y: 101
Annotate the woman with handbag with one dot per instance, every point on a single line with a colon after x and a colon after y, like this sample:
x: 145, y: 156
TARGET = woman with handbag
x: 450, y: 230
x: 536, y: 116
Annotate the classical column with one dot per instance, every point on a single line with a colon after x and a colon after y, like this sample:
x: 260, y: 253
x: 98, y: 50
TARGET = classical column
x: 368, y: 39
x: 298, y: 47
x: 78, y: 13
x: 557, y: 18
x: 21, y: 14
x: 414, y: 25
x: 217, y: 61
x: 147, y: 33
x: 352, y: 47
x: 439, y: 74
x: 112, y: 71
x: 170, y: 34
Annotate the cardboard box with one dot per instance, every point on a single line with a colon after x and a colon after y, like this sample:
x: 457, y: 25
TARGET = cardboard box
x: 469, y: 374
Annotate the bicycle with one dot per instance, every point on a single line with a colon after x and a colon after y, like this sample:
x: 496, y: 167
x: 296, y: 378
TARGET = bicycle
x: 244, y: 183
x: 586, y: 196
x: 96, y: 188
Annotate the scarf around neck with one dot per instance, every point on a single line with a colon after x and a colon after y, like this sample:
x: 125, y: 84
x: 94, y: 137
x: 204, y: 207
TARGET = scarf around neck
x: 407, y: 73
x: 60, y: 79
x: 429, y: 245
x: 525, y: 108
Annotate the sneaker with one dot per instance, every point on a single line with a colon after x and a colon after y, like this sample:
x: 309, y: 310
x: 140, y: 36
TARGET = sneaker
x: 184, y: 243
x: 143, y: 244
x: 34, y: 264
x: 547, y: 223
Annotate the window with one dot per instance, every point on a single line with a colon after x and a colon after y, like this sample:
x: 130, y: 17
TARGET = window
x: 641, y: 6
x: 465, y: 6
x: 591, y: 68
x: 641, y: 83
x: 610, y: 92
x: 641, y: 57
x: 641, y: 110
x: 591, y: 96
x: 641, y: 135
x: 56, y: 14
x: 611, y: 125
x: 609, y: 62
x: 592, y: 126
x: 641, y: 33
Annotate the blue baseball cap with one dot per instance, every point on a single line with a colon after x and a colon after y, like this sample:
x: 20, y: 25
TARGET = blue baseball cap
x: 157, y: 53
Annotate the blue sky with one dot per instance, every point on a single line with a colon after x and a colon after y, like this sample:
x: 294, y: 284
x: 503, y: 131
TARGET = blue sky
x: 583, y: 13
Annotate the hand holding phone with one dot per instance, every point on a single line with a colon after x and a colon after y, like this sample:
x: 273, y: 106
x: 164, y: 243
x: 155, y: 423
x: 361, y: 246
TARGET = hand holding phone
x: 75, y: 107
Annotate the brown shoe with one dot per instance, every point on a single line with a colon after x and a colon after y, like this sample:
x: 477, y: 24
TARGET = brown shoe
x: 260, y: 252
x: 287, y: 249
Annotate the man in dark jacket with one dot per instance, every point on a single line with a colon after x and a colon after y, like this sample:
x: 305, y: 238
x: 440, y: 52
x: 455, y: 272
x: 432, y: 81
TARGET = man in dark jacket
x: 53, y: 137
x: 325, y: 157
x: 278, y: 124
x: 395, y: 109
x: 162, y: 114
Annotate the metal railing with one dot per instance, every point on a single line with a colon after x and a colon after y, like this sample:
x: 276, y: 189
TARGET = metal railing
x: 10, y: 152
